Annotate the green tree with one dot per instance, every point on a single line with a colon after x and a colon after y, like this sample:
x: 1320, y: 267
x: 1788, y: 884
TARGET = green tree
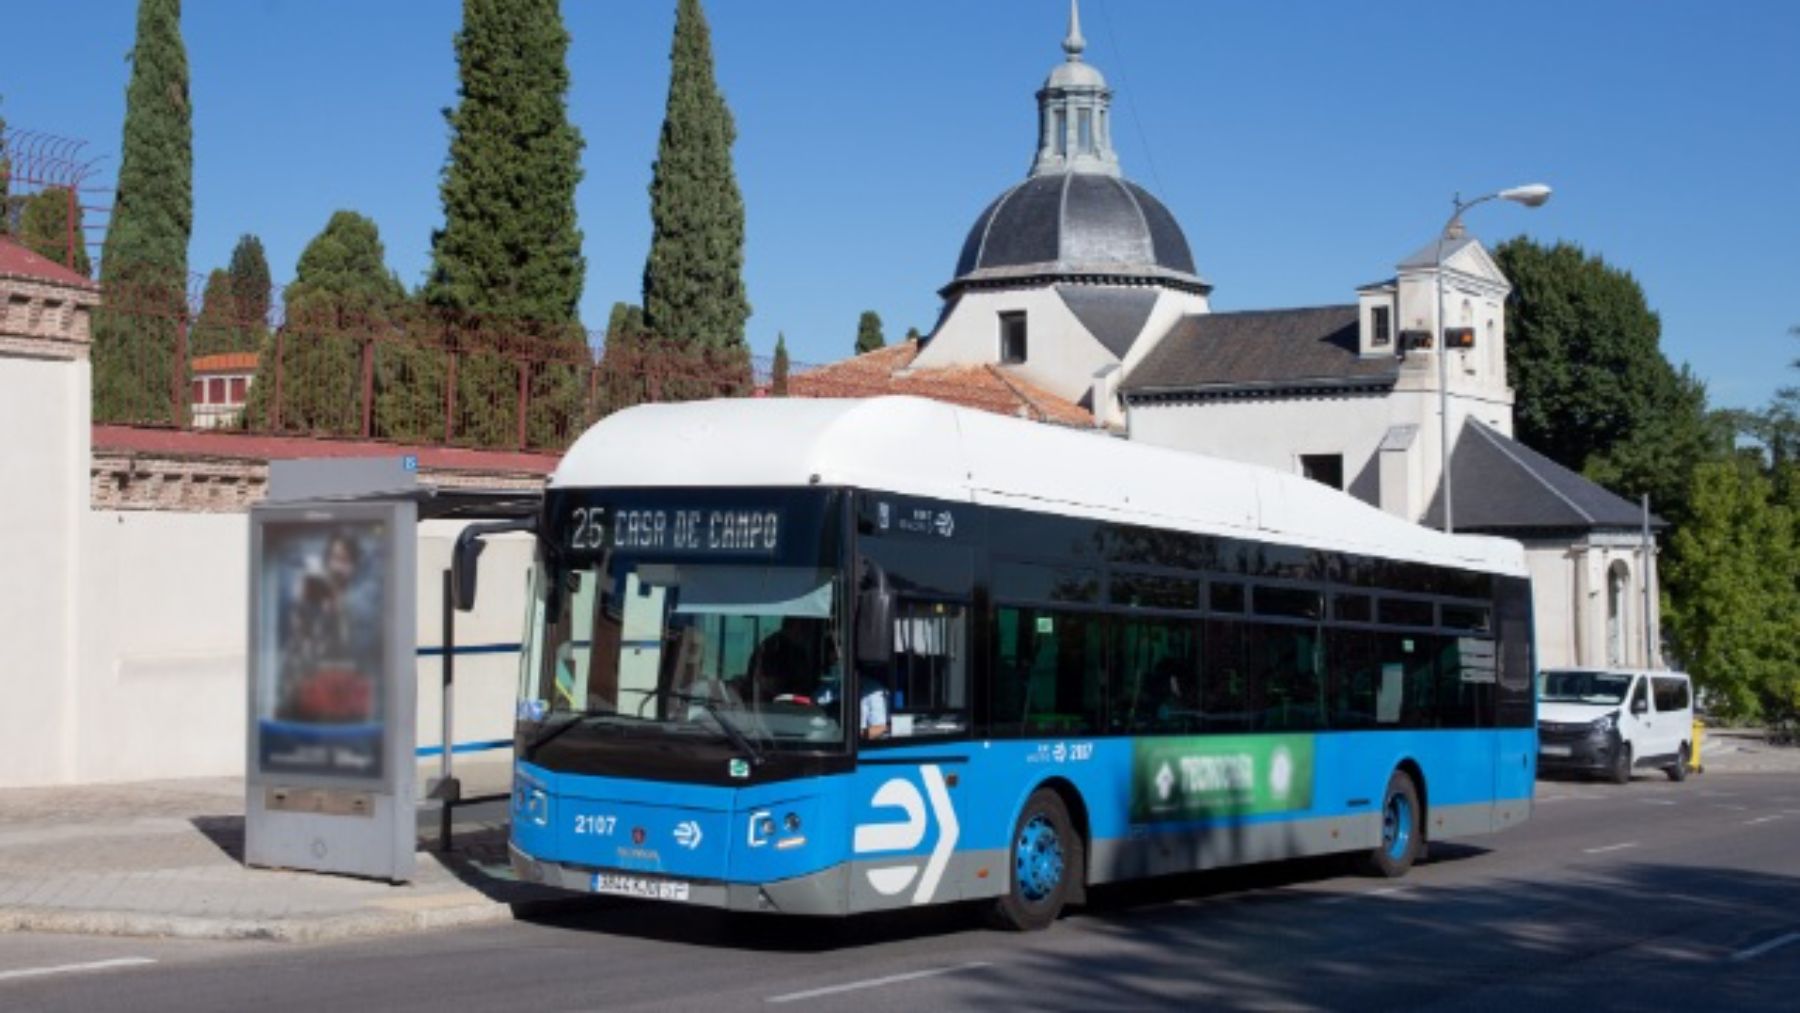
x: 44, y: 227
x: 139, y: 373
x: 510, y: 248
x: 912, y: 334
x: 1582, y: 351
x: 778, y: 373
x: 218, y: 328
x: 250, y: 281
x: 507, y: 268
x: 868, y: 333
x: 1733, y: 603
x: 1776, y: 427
x: 693, y: 278
x: 622, y: 380
x: 343, y: 296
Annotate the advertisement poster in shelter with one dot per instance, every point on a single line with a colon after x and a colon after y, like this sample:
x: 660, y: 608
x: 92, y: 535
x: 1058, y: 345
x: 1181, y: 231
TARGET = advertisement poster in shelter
x: 321, y: 687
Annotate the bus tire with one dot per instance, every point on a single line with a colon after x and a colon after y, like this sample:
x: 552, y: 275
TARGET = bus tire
x: 1402, y: 829
x: 1044, y: 862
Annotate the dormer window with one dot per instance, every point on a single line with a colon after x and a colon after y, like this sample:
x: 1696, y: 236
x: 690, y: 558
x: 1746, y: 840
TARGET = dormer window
x: 1012, y: 338
x: 1381, y: 323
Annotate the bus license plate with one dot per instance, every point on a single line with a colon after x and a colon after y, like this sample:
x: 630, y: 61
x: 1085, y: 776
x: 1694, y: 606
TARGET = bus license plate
x: 1555, y: 750
x: 637, y: 886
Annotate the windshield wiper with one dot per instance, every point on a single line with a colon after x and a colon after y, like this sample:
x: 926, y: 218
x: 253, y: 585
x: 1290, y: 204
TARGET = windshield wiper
x: 551, y: 731
x: 738, y: 739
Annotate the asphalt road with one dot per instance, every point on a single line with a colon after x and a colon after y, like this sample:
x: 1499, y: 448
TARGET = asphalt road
x: 1650, y: 896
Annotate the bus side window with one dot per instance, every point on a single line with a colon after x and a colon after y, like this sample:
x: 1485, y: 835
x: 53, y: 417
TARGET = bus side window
x: 1225, y: 696
x: 1153, y: 685
x: 928, y: 690
x: 1356, y: 677
x: 1047, y: 673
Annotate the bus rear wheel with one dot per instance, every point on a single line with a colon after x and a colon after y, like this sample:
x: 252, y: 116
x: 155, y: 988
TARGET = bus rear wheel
x: 1401, y: 823
x: 1044, y: 861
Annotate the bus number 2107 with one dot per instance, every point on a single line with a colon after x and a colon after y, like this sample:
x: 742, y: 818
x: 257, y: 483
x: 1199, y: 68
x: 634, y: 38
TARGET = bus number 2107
x: 600, y: 826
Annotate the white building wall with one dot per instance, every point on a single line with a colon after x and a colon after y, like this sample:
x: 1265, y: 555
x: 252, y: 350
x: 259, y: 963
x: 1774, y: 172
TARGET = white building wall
x: 1061, y: 355
x: 43, y: 495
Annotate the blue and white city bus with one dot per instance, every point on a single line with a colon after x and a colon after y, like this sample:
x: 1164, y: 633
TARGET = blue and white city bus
x: 824, y: 657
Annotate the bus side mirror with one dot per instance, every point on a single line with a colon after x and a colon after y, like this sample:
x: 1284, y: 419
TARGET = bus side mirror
x: 465, y: 557
x: 465, y: 563
x: 874, y: 630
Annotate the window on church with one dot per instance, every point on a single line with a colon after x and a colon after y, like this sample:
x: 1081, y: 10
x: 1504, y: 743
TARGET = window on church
x: 1062, y: 133
x: 1380, y: 326
x: 1084, y: 124
x: 1012, y: 337
x: 1326, y: 469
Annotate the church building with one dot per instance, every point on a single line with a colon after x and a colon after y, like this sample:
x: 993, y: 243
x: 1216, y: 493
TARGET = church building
x: 1078, y: 285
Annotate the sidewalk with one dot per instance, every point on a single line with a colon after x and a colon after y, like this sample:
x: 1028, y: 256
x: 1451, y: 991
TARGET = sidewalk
x: 164, y: 858
x: 1747, y: 751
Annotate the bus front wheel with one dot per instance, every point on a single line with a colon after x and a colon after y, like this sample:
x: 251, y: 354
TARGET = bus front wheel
x: 1044, y: 861
x: 1401, y: 824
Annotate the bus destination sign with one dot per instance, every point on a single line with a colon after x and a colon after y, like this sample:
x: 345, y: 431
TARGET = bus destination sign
x: 677, y: 530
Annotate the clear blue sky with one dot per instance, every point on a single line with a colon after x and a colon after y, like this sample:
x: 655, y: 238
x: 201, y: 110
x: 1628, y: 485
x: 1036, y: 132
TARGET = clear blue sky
x: 1305, y: 147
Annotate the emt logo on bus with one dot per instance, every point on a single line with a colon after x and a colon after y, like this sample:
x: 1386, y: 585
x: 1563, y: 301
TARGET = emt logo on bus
x: 908, y: 833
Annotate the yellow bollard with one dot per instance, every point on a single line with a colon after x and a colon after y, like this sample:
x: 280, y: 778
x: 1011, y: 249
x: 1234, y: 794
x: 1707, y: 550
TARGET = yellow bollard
x: 1699, y: 739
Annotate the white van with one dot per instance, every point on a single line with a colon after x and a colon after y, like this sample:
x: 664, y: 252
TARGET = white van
x: 1614, y: 721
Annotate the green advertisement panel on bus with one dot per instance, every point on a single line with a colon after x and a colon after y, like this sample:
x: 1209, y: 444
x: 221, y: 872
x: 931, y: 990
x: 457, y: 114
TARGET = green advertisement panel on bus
x: 1205, y: 777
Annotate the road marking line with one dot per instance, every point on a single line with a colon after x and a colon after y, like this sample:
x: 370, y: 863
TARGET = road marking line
x: 1734, y: 808
x: 1609, y: 847
x: 1762, y: 819
x: 1658, y: 801
x: 1758, y: 950
x: 97, y: 965
x: 930, y: 972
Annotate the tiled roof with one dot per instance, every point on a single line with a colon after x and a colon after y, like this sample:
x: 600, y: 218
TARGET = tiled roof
x: 1261, y: 349
x: 1504, y: 487
x: 17, y: 261
x: 987, y: 387
x: 226, y: 362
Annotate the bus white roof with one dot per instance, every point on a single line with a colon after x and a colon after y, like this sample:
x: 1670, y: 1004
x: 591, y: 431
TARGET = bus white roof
x: 913, y: 446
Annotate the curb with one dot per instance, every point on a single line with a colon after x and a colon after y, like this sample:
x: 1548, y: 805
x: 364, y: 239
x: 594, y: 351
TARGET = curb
x: 365, y: 923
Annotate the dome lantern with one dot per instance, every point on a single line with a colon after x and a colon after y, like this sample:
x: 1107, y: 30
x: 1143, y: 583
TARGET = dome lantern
x: 1074, y: 113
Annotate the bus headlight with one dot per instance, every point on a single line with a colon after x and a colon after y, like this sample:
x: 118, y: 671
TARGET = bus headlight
x: 791, y: 822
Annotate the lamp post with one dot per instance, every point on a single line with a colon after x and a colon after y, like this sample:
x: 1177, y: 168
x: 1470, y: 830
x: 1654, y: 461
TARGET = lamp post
x: 1531, y: 195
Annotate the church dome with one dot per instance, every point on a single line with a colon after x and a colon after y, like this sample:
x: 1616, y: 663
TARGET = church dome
x: 1076, y: 224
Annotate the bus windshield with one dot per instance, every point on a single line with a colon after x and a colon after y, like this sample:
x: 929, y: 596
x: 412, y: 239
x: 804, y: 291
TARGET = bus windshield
x: 1585, y: 687
x: 744, y: 652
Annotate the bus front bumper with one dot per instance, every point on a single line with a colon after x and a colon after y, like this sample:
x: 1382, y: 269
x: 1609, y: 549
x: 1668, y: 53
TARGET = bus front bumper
x: 821, y: 893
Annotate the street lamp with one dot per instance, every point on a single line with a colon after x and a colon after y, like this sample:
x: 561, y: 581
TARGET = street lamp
x: 1531, y: 195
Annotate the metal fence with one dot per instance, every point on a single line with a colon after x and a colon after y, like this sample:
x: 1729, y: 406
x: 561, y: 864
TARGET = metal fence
x: 409, y: 374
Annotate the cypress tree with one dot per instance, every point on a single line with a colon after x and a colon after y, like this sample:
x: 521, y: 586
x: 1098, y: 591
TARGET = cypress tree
x: 778, y: 373
x: 44, y: 227
x: 509, y: 248
x: 5, y: 182
x: 693, y: 278
x: 868, y: 333
x: 250, y: 280
x: 343, y: 295
x: 138, y: 372
x: 218, y: 328
x: 509, y: 253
